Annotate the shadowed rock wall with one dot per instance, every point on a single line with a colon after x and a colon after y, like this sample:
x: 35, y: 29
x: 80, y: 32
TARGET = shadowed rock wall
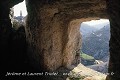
x: 114, y: 17
x: 5, y: 34
x: 52, y: 31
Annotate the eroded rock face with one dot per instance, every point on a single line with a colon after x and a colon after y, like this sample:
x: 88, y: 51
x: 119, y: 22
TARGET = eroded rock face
x: 114, y: 64
x: 52, y: 33
x: 52, y: 30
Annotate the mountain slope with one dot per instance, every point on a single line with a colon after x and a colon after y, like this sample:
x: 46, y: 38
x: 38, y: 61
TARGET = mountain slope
x: 85, y: 29
x: 96, y: 44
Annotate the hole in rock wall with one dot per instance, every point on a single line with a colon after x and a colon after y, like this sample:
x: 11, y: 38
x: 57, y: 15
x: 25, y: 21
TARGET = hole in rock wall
x: 20, y: 14
x: 18, y: 46
x: 94, y: 52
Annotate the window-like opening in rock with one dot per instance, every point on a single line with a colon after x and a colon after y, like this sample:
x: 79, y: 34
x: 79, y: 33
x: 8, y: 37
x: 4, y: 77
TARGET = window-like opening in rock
x: 95, y: 44
x: 18, y: 45
x: 20, y: 14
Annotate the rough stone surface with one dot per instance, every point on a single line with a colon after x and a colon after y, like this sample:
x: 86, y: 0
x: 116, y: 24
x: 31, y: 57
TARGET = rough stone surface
x: 50, y: 29
x: 52, y: 33
x: 114, y: 64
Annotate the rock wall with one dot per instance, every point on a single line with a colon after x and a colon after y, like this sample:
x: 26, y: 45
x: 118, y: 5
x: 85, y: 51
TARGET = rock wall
x: 52, y: 31
x: 114, y: 63
x: 5, y: 31
x: 12, y: 47
x: 52, y: 34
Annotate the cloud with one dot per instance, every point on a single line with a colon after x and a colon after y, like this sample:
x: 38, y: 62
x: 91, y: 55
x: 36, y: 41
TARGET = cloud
x: 95, y: 22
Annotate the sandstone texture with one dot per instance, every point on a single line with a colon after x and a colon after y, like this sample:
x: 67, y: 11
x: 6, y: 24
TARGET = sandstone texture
x: 52, y: 32
x: 52, y: 29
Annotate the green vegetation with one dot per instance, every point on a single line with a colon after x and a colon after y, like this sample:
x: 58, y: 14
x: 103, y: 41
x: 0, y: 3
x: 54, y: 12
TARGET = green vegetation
x: 85, y: 56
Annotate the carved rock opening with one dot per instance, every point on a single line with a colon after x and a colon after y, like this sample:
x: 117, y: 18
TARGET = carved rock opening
x: 48, y: 26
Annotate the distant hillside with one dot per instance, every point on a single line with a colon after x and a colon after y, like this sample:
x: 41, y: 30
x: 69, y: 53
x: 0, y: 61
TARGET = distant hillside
x: 87, y: 29
x: 101, y: 25
x: 96, y: 44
